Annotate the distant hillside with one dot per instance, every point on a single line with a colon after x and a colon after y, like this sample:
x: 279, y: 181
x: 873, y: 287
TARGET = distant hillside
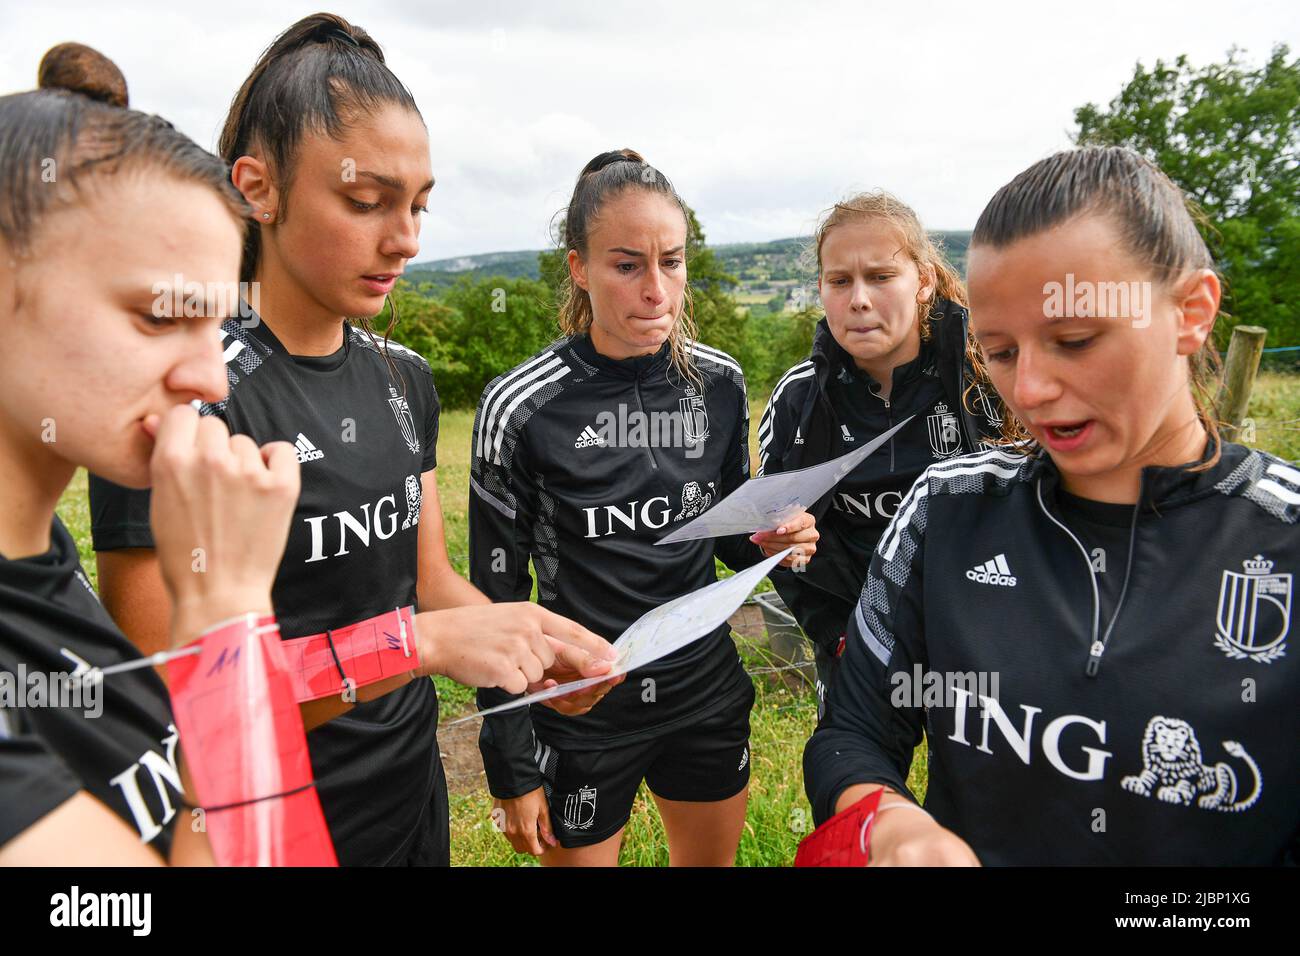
x: 766, y: 270
x: 444, y: 272
x: 779, y: 276
x: 781, y: 259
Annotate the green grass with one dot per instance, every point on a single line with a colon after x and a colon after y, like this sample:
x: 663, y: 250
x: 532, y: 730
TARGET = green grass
x: 778, y: 816
x: 74, y: 509
x: 783, y: 716
x: 1275, y: 413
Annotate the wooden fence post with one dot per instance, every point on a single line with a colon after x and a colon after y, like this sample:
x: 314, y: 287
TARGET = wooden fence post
x: 1239, y: 371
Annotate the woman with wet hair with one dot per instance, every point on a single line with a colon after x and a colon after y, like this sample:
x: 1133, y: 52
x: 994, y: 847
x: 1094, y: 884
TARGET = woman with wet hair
x: 328, y: 149
x: 1126, y: 695
x: 105, y: 200
x: 554, y: 482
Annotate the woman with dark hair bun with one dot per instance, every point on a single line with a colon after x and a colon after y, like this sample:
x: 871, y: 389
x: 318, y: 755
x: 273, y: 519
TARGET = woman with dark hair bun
x: 75, y: 66
x: 108, y: 392
x: 554, y: 483
x: 1114, y: 683
x: 331, y: 155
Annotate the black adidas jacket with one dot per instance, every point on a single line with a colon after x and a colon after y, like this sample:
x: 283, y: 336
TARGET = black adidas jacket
x: 580, y: 463
x: 822, y: 408
x: 123, y: 751
x: 1165, y: 733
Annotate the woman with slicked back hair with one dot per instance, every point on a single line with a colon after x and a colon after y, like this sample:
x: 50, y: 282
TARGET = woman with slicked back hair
x: 1091, y: 635
x: 328, y: 150
x: 553, y: 483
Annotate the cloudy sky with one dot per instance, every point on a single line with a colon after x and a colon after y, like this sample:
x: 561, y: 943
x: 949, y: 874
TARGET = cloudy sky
x: 761, y: 112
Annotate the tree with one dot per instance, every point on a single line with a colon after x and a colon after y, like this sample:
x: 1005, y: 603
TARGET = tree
x: 1230, y: 137
x: 552, y: 266
x: 500, y: 323
x: 718, y: 319
x: 477, y: 330
x: 424, y: 325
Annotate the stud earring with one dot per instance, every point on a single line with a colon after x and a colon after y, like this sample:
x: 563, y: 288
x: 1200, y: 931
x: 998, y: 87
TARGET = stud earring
x: 266, y: 215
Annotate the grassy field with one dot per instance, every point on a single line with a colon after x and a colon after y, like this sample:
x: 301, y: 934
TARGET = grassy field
x: 784, y: 713
x: 1275, y: 415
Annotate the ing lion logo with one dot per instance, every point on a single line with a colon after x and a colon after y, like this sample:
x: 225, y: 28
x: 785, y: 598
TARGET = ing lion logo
x: 413, y: 502
x: 1171, y: 764
x: 694, y: 500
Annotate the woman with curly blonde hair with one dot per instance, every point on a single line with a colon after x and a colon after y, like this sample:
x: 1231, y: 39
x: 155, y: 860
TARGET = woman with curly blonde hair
x: 892, y: 346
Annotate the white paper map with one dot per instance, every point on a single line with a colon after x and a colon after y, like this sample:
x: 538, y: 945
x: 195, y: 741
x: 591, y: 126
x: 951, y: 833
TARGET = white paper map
x: 660, y: 631
x: 764, y: 504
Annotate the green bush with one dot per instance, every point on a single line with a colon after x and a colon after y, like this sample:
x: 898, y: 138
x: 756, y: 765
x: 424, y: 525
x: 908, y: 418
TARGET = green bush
x: 474, y: 330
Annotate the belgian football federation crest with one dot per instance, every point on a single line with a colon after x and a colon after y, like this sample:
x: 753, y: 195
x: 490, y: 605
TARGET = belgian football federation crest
x: 695, y: 417
x: 1254, y: 612
x: 580, y: 809
x: 945, y: 440
x: 985, y: 403
x: 402, y: 411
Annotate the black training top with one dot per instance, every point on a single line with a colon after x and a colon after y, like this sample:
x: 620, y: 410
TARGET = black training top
x: 352, y: 551
x: 581, y: 463
x: 825, y: 407
x: 1089, y: 693
x: 119, y: 746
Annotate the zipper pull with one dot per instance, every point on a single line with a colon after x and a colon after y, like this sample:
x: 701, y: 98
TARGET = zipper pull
x: 1094, y: 658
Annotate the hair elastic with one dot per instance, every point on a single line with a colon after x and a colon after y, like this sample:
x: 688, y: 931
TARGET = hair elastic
x: 339, y: 33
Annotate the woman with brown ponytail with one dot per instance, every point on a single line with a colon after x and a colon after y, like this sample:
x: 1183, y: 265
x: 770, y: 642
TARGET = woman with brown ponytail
x: 554, y: 481
x: 331, y: 155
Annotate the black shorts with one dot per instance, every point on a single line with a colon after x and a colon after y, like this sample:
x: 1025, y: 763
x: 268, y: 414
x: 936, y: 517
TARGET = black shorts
x: 590, y: 792
x: 430, y: 843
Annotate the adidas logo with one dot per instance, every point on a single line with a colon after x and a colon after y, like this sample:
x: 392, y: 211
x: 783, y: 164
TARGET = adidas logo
x: 996, y: 571
x: 306, y: 450
x: 798, y: 436
x: 847, y: 435
x: 588, y: 439
x: 744, y: 759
